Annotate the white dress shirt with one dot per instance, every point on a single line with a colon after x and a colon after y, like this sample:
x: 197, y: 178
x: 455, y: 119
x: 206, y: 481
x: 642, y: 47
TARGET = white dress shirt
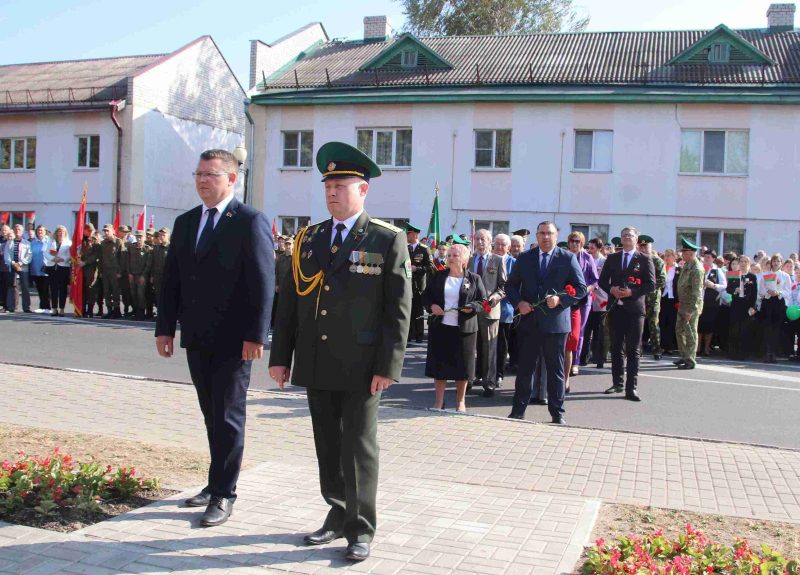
x: 452, y: 291
x: 348, y: 225
x: 204, y: 218
x: 668, y: 287
x: 549, y: 258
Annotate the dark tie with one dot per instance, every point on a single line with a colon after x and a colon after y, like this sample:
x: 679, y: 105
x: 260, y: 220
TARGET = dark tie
x: 543, y: 265
x: 337, y: 240
x: 208, y: 231
x: 625, y: 262
x: 480, y: 265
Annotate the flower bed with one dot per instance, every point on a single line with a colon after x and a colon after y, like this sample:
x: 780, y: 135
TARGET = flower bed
x: 59, y: 493
x: 692, y: 553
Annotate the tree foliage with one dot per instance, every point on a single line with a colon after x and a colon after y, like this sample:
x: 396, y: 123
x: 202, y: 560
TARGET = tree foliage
x: 470, y: 17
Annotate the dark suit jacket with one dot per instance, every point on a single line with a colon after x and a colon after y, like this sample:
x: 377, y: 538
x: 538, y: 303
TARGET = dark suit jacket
x: 640, y: 268
x: 353, y: 325
x: 525, y: 284
x: 222, y: 296
x: 421, y: 259
x: 471, y: 295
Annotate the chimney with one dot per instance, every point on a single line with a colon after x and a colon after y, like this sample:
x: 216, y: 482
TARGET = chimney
x: 780, y: 17
x: 377, y: 28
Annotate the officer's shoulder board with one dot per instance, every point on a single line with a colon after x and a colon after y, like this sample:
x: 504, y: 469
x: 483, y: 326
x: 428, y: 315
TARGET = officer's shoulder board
x: 386, y: 225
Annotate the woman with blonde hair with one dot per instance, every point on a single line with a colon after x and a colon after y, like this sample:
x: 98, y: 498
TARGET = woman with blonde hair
x: 454, y: 297
x: 774, y: 291
x: 57, y: 261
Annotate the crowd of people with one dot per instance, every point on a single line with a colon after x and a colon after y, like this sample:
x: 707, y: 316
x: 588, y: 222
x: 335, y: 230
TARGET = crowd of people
x: 120, y: 271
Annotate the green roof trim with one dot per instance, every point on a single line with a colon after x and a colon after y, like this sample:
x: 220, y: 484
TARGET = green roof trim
x: 749, y: 54
x: 405, y: 43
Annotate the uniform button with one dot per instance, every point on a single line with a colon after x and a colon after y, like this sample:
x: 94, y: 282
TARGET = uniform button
x: 324, y: 338
x: 324, y: 312
x: 327, y: 288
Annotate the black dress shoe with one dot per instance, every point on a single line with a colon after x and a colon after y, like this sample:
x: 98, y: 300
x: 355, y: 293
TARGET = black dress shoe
x: 632, y: 396
x: 488, y: 391
x: 686, y: 365
x: 322, y: 536
x: 357, y: 551
x: 560, y: 420
x: 657, y: 356
x: 679, y: 362
x: 599, y: 365
x: 515, y: 416
x: 614, y: 389
x: 217, y: 512
x: 202, y: 499
x: 537, y: 402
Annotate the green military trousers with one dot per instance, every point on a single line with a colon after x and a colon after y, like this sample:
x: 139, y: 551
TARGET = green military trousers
x: 686, y: 334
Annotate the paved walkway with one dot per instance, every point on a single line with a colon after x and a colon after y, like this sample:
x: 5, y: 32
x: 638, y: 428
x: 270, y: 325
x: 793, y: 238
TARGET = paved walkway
x: 457, y: 494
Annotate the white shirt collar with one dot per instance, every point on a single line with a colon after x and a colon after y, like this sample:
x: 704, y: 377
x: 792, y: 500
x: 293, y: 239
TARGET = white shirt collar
x: 413, y: 246
x: 220, y: 206
x: 630, y: 253
x: 348, y: 224
x: 550, y: 253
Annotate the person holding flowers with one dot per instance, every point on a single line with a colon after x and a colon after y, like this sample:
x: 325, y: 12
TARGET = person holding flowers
x: 774, y: 292
x: 743, y: 290
x: 454, y: 298
x: 544, y: 284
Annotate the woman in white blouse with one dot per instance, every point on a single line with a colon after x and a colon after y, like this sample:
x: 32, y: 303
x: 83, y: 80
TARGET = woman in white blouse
x: 714, y: 284
x: 57, y: 261
x: 774, y: 292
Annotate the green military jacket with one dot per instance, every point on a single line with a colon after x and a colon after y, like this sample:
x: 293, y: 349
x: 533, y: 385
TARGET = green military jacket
x: 690, y: 287
x: 661, y: 279
x: 354, y: 323
x: 422, y: 260
x: 138, y: 260
x: 90, y: 255
x: 283, y: 268
x: 158, y: 258
x: 111, y: 254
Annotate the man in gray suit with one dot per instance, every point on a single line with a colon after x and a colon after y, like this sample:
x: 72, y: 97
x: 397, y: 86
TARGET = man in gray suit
x: 491, y: 269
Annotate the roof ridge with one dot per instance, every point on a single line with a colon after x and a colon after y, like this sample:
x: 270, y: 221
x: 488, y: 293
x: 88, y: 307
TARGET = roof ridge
x: 85, y: 60
x: 588, y: 32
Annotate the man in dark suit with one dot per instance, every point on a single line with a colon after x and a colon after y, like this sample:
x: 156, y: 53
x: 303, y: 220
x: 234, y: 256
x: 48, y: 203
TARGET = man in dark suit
x: 343, y: 317
x: 627, y: 276
x: 218, y: 282
x: 542, y: 275
x: 421, y: 268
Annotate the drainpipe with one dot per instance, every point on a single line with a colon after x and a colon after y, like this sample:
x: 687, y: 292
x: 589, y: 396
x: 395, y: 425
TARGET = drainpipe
x: 116, y: 106
x: 248, y: 181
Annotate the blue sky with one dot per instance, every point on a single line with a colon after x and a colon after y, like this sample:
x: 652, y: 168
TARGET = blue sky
x: 45, y: 30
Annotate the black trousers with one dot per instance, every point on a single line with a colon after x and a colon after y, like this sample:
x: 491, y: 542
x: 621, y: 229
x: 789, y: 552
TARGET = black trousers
x: 513, y: 345
x: 346, y: 440
x: 43, y: 289
x: 593, y: 339
x: 416, y: 328
x: 533, y: 343
x: 626, y: 329
x: 740, y: 334
x: 773, y: 313
x: 59, y: 286
x: 667, y: 318
x: 503, y: 340
x: 221, y: 381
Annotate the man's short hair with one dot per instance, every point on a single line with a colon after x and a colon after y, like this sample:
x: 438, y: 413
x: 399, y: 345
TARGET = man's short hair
x: 518, y: 238
x: 630, y: 229
x: 484, y: 232
x: 597, y: 242
x: 227, y: 158
x: 503, y: 238
x: 547, y: 223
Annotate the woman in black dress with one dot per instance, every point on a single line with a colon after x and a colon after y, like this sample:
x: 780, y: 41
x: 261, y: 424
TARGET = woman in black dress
x: 744, y: 292
x: 453, y: 297
x: 714, y: 285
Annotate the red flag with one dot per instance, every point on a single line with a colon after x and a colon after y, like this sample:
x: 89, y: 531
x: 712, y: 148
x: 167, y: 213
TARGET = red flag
x: 76, y: 274
x: 30, y: 216
x: 142, y: 217
x: 117, y: 222
x: 5, y: 215
x: 274, y: 227
x: 152, y: 220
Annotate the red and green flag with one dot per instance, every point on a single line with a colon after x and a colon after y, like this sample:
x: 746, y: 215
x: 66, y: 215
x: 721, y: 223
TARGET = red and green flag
x: 433, y: 224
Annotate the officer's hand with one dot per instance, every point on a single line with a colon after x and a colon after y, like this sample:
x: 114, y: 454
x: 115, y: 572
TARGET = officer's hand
x: 164, y: 345
x: 380, y: 383
x: 252, y: 350
x: 553, y: 301
x: 280, y: 373
x: 413, y: 268
x: 524, y: 308
x: 436, y: 310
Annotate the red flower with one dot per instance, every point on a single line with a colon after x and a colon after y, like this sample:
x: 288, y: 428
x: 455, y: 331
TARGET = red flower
x: 603, y: 304
x: 638, y: 281
x: 631, y: 279
x: 677, y: 305
x: 569, y: 290
x: 487, y: 307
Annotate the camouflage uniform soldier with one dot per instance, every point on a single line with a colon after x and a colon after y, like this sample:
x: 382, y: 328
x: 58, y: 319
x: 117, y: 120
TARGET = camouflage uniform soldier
x: 138, y: 269
x: 151, y: 241
x: 158, y: 259
x: 690, y: 297
x: 90, y: 254
x: 653, y: 299
x: 124, y: 286
x: 111, y: 250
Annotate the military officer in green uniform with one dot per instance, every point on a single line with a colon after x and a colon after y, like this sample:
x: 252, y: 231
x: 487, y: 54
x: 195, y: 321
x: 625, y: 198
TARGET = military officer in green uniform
x: 690, y: 304
x: 111, y: 253
x: 344, y: 314
x: 158, y: 259
x: 653, y: 299
x: 124, y: 285
x: 138, y: 268
x: 90, y: 254
x: 421, y: 268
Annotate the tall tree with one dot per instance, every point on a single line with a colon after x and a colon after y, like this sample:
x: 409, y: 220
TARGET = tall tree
x: 464, y: 17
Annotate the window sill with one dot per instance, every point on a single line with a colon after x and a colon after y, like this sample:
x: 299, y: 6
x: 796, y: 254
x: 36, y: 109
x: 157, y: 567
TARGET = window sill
x: 580, y: 171
x: 18, y: 171
x: 713, y: 175
x: 81, y: 169
x: 395, y: 168
x: 491, y: 169
x: 295, y: 169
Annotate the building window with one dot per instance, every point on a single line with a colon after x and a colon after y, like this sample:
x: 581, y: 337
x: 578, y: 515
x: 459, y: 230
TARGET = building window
x: 88, y: 151
x: 714, y: 152
x: 298, y: 149
x: 290, y: 225
x: 593, y: 150
x: 91, y: 218
x: 719, y: 53
x: 408, y: 59
x: 721, y: 241
x: 495, y: 227
x: 396, y: 222
x: 387, y: 147
x: 493, y: 149
x: 591, y: 231
x: 18, y: 154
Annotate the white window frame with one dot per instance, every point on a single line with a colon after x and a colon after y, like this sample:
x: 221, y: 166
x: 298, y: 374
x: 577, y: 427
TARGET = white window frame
x: 409, y: 58
x: 295, y: 220
x: 725, y: 172
x: 373, y: 154
x: 592, y: 231
x: 87, y: 159
x: 719, y: 248
x: 593, y: 167
x: 13, y: 141
x: 493, y: 166
x: 492, y: 225
x: 300, y: 139
x: 396, y: 222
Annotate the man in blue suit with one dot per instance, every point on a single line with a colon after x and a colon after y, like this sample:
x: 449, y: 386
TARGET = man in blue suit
x: 543, y: 274
x: 218, y: 281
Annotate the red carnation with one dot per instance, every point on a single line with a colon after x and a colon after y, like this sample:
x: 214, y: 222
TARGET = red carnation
x: 638, y: 281
x: 487, y: 307
x: 569, y: 290
x: 603, y: 304
x: 631, y: 279
x: 677, y: 305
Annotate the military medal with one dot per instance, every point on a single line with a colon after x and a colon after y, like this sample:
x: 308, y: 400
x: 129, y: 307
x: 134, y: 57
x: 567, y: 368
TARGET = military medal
x: 353, y: 259
x: 360, y: 268
x: 334, y: 249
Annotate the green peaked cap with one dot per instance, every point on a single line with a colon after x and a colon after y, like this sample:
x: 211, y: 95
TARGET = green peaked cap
x: 410, y: 228
x: 645, y: 239
x: 459, y: 240
x: 340, y: 160
x: 687, y: 245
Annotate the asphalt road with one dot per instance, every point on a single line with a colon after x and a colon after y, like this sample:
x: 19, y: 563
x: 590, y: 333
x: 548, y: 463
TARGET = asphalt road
x: 721, y: 400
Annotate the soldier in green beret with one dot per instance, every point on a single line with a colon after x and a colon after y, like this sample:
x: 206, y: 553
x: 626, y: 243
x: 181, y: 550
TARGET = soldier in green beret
x: 343, y: 315
x: 653, y: 299
x: 690, y: 304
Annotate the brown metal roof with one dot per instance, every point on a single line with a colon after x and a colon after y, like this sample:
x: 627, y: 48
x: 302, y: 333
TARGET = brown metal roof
x: 73, y: 83
x: 589, y: 58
